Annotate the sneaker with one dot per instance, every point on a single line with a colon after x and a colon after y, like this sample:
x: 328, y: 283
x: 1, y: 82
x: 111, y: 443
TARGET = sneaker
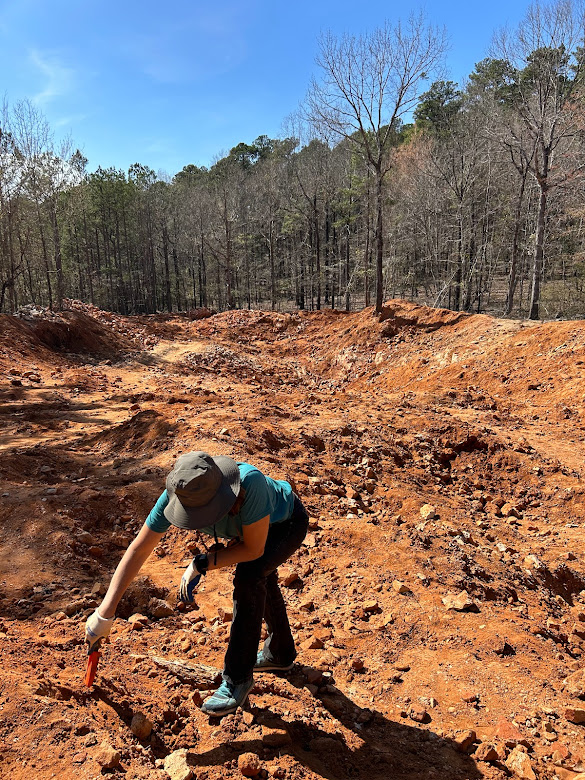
x: 227, y: 698
x: 263, y: 664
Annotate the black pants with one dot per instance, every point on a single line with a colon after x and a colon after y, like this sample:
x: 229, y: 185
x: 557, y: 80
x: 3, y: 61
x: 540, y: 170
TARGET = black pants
x: 257, y: 596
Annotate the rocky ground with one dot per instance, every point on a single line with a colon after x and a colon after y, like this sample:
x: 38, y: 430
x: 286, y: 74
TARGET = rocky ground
x: 439, y: 598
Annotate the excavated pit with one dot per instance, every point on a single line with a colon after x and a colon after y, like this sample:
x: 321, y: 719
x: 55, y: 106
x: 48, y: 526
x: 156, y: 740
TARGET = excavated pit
x: 438, y: 602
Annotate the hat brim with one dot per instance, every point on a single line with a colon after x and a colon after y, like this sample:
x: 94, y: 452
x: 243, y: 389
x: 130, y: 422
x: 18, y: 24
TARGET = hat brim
x: 201, y: 516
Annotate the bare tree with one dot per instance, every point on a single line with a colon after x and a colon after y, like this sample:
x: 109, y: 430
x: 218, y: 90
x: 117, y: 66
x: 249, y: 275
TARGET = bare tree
x: 10, y: 189
x: 46, y: 172
x: 367, y: 85
x: 544, y: 127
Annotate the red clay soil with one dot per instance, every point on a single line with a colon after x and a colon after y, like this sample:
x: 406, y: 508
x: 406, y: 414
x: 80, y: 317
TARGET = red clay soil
x: 438, y: 601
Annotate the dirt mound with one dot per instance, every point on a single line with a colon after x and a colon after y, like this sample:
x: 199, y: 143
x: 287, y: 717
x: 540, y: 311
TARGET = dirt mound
x: 17, y: 339
x: 144, y: 431
x: 79, y: 333
x: 35, y: 338
x: 399, y: 314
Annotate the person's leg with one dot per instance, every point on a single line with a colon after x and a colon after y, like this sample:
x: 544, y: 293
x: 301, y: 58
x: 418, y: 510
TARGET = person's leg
x: 279, y: 646
x: 250, y: 588
x: 249, y: 601
x: 238, y: 680
x: 250, y: 597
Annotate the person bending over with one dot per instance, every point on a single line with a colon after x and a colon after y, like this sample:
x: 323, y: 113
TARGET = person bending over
x: 264, y: 521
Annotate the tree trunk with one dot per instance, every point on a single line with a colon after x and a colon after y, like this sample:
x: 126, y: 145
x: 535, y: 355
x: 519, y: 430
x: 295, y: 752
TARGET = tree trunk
x: 228, y: 253
x: 272, y: 267
x: 367, y: 255
x: 513, y: 275
x: 329, y: 284
x: 46, y: 259
x: 317, y: 251
x: 470, y: 264
x: 379, y: 242
x: 538, y: 254
x: 131, y: 286
x: 58, y: 255
x: 347, y: 273
x: 168, y: 293
x: 202, y: 270
x: 88, y: 259
x: 459, y: 271
x: 177, y: 272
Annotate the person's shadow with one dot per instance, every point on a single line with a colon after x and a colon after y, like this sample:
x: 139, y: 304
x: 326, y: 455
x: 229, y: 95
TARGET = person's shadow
x: 385, y: 750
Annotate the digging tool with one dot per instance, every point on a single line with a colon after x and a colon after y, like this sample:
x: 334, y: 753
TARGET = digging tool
x: 93, y: 657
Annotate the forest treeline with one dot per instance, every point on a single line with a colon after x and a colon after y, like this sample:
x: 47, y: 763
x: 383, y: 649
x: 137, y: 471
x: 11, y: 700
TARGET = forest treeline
x: 389, y: 184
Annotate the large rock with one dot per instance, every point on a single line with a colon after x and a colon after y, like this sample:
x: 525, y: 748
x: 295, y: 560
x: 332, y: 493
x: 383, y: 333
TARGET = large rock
x: 575, y: 714
x: 460, y: 602
x: 312, y: 643
x: 249, y: 764
x: 510, y: 734
x: 419, y: 714
x: 579, y: 630
x: 532, y: 561
x: 428, y: 512
x: 176, y: 765
x: 288, y: 577
x: 575, y: 684
x: 519, y: 763
x: 106, y: 756
x: 159, y: 608
x: 486, y: 752
x: 137, y: 621
x: 73, y: 607
x: 141, y: 726
x: 400, y: 587
x: 464, y: 740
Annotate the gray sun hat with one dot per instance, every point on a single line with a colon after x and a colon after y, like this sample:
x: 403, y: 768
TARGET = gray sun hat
x: 201, y: 489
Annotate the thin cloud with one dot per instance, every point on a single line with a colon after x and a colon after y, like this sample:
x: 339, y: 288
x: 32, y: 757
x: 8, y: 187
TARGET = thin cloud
x: 160, y: 145
x: 164, y: 62
x: 69, y: 120
x: 58, y: 78
x: 198, y: 48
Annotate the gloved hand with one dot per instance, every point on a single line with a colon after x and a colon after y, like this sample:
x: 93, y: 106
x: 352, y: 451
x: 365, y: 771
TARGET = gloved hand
x: 97, y: 628
x: 192, y: 577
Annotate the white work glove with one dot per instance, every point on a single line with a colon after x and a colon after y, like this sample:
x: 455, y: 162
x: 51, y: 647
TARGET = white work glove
x: 97, y: 628
x: 192, y: 576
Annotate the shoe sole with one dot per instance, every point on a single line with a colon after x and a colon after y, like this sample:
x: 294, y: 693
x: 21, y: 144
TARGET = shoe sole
x: 273, y: 668
x: 216, y: 714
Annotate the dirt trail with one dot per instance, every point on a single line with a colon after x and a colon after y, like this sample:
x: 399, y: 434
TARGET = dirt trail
x: 439, y: 599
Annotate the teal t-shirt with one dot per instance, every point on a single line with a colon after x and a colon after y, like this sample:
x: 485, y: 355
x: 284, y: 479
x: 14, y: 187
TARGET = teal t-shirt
x: 264, y: 496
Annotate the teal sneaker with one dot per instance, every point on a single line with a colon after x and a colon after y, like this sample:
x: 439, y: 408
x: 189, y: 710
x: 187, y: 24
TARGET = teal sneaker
x: 264, y: 664
x: 227, y: 698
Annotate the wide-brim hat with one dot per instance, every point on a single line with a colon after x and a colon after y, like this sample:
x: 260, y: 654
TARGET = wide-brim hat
x: 201, y: 489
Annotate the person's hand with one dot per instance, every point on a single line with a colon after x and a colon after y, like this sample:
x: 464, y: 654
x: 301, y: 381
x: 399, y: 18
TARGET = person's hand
x: 192, y: 577
x: 97, y: 628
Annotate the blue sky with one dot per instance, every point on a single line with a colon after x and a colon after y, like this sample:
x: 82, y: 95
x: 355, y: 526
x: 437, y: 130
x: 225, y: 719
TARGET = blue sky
x: 178, y: 82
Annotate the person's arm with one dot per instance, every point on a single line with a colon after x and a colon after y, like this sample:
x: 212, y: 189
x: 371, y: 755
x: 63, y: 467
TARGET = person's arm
x: 128, y: 568
x: 250, y: 548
